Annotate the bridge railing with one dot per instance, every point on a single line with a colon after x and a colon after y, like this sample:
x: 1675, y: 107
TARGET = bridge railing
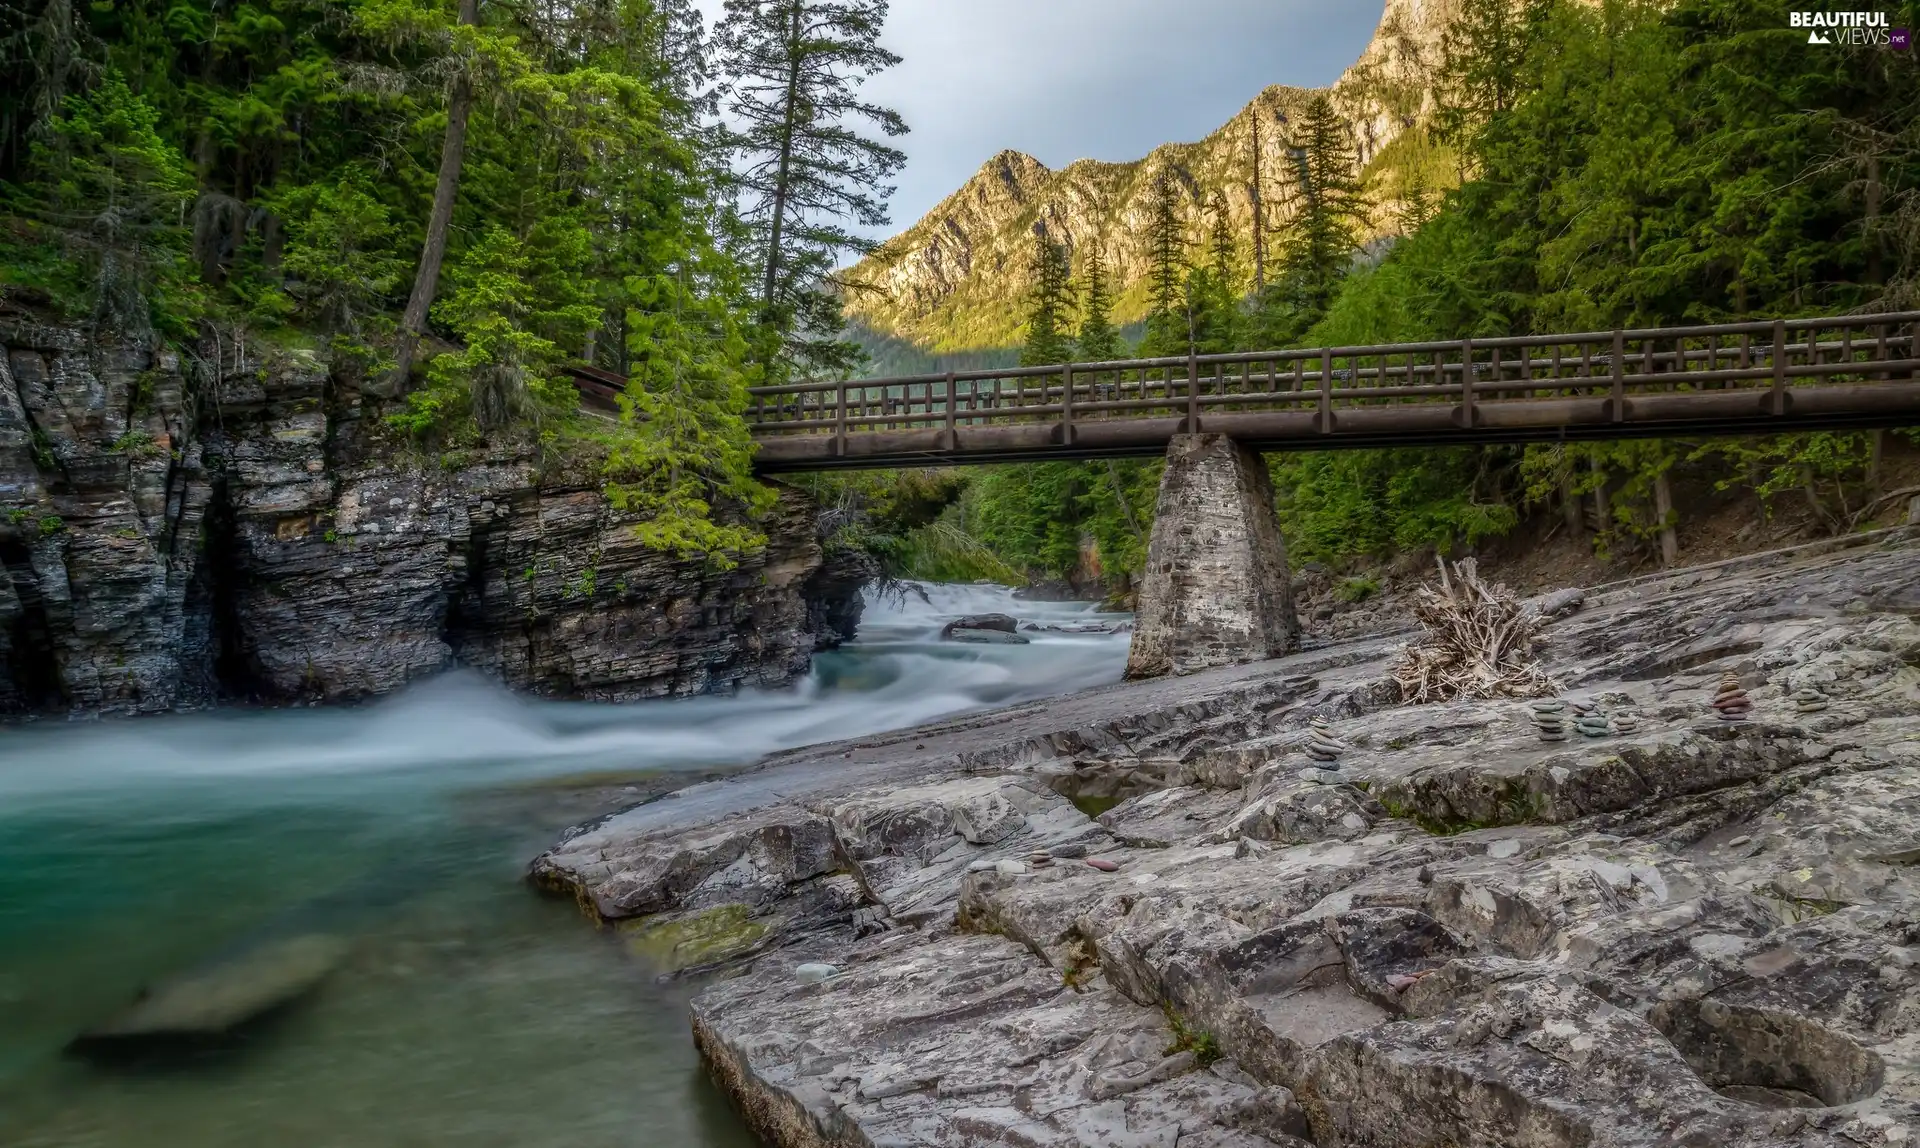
x: 1468, y: 374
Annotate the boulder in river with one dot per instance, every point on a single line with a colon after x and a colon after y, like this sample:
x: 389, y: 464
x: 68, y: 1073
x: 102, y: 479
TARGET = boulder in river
x: 984, y: 628
x: 215, y: 999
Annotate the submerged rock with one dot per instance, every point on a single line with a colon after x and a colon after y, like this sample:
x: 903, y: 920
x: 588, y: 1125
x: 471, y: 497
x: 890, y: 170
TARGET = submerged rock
x: 215, y: 999
x: 985, y: 628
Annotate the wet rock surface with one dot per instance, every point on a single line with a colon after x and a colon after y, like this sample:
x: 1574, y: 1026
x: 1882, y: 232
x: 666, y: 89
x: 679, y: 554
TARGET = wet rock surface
x: 1694, y: 932
x: 175, y: 534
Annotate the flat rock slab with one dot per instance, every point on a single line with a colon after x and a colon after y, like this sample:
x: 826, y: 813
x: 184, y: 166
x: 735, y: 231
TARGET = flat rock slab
x: 1701, y: 933
x: 962, y: 1040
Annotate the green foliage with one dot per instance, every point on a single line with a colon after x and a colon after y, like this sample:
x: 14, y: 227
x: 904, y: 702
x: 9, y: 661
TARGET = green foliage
x: 1358, y: 588
x: 264, y: 173
x: 795, y: 112
x: 1203, y: 1044
x: 1167, y: 269
x: 107, y: 192
x: 340, y: 263
x: 503, y: 373
x: 1049, y: 305
x: 1098, y: 340
x: 1330, y: 211
x: 682, y: 448
x: 1337, y: 505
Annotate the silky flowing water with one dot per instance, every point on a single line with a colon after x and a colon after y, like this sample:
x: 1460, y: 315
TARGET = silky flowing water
x: 470, y: 1011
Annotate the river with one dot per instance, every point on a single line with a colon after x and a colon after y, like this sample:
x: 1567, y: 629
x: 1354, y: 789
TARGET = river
x: 469, y: 1011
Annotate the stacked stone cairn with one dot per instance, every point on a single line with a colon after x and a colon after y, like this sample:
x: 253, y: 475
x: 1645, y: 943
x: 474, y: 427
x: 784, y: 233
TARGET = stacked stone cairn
x: 1325, y: 750
x: 1549, y: 719
x: 1588, y: 721
x: 1625, y: 723
x: 1322, y: 746
x: 1808, y: 700
x: 1731, y: 699
x: 1039, y: 859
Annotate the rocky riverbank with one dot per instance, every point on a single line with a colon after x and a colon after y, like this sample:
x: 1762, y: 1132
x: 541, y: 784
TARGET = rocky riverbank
x: 1143, y: 915
x: 174, y: 534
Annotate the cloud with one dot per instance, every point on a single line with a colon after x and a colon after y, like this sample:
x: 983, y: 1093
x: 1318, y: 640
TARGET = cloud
x: 1105, y: 79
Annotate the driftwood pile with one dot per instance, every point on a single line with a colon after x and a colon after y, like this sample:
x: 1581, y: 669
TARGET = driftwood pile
x: 1478, y: 643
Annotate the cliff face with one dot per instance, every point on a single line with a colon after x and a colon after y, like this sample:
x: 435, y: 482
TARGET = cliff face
x: 264, y: 541
x: 955, y: 280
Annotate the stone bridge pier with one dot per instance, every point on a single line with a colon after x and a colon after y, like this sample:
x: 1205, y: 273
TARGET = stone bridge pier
x: 1217, y: 591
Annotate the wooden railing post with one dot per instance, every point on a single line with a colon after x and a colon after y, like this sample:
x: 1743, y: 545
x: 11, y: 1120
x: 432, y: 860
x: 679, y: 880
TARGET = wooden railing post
x: 953, y: 401
x: 1326, y: 390
x: 1466, y: 383
x: 1066, y: 404
x: 1193, y: 391
x: 1777, y: 398
x: 1619, y: 365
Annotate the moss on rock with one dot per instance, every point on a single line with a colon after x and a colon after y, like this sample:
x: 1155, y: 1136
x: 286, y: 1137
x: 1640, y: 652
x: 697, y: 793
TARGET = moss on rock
x: 676, y: 942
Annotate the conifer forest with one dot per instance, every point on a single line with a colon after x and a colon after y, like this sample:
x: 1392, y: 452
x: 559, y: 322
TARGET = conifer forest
x: 450, y: 200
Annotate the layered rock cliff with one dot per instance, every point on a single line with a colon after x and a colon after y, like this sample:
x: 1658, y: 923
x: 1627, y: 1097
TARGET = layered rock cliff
x: 955, y: 280
x: 177, y: 533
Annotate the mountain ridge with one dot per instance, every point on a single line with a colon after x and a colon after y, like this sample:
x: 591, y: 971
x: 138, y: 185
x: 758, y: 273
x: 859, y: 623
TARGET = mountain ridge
x: 954, y: 281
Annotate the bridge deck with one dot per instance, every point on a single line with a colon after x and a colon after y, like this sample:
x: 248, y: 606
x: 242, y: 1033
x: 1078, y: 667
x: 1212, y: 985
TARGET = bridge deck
x: 1741, y: 378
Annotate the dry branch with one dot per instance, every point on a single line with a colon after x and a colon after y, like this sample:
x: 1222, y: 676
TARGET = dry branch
x: 1478, y: 643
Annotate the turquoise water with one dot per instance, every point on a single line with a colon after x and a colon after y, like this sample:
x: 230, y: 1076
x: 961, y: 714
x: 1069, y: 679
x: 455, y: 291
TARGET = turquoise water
x: 468, y: 1011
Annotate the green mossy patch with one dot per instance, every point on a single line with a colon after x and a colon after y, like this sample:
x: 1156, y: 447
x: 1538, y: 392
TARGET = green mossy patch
x: 673, y: 943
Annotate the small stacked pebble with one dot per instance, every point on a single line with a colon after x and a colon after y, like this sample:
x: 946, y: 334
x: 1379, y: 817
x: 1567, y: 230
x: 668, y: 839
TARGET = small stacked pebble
x: 1626, y: 723
x: 1809, y: 700
x: 1588, y: 721
x: 1731, y: 699
x: 1039, y: 859
x: 1549, y: 719
x: 1322, y: 746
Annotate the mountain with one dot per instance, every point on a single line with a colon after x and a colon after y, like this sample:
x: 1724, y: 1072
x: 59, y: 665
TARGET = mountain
x: 955, y: 281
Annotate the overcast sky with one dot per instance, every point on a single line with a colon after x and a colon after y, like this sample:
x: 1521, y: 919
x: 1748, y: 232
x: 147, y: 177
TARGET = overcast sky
x: 1105, y: 79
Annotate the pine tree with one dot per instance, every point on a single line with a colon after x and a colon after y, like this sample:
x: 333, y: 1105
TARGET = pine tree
x: 1167, y: 270
x: 1213, y: 291
x: 112, y: 190
x: 806, y: 171
x: 1329, y: 212
x: 1098, y: 340
x: 1049, y: 305
x: 1483, y: 63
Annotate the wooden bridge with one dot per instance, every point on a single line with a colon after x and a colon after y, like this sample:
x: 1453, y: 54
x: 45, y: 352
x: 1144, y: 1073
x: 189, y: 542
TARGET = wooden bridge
x: 1736, y: 378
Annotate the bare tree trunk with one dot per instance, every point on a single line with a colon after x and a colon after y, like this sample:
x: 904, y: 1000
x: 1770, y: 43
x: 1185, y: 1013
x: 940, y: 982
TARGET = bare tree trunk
x: 426, y: 280
x: 1570, y: 506
x: 1663, y: 507
x: 1259, y: 225
x: 1126, y: 507
x: 1876, y: 449
x: 1602, y: 510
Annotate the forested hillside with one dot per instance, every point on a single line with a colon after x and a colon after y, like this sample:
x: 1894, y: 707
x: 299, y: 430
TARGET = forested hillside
x: 1624, y: 163
x: 448, y: 200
